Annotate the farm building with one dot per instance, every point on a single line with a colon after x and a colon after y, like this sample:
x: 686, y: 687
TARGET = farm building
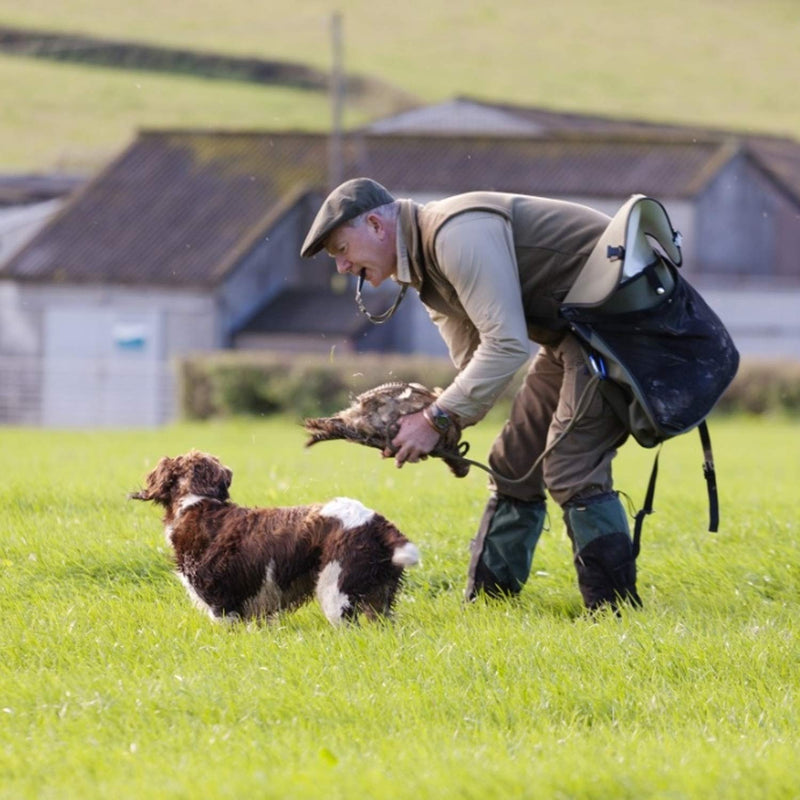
x: 189, y: 241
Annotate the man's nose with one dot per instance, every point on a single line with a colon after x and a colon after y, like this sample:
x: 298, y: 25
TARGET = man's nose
x: 342, y: 265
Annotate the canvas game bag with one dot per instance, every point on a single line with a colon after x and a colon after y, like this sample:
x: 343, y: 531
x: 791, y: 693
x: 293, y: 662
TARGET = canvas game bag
x: 662, y: 355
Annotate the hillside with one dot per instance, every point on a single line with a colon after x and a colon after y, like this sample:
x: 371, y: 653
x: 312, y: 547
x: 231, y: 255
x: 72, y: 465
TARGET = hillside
x: 730, y: 63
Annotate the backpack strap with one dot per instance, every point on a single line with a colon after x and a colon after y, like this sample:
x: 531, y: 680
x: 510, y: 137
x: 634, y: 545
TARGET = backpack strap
x: 647, y: 508
x: 709, y: 473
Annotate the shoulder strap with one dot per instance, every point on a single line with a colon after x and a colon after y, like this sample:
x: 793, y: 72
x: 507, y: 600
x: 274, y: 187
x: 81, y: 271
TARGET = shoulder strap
x: 647, y: 508
x: 709, y: 474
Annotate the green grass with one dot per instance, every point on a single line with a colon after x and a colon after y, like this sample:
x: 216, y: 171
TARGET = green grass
x: 111, y: 684
x: 723, y: 63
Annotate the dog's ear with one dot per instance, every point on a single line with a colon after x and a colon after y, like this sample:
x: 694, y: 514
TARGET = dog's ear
x: 160, y: 482
x: 211, y: 478
x: 224, y: 483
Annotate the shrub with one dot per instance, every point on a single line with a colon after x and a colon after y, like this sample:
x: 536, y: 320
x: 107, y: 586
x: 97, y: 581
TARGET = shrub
x: 762, y: 387
x: 262, y: 383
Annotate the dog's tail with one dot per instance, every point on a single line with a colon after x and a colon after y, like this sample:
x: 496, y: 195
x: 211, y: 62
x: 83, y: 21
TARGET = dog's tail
x: 407, y: 555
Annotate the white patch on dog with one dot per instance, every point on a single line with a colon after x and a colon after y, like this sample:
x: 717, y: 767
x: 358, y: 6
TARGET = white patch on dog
x: 268, y: 599
x: 197, y: 601
x: 185, y: 502
x: 406, y: 556
x: 333, y: 601
x: 350, y: 513
x: 189, y: 501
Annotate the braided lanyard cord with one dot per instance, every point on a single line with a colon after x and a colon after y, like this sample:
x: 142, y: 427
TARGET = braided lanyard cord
x: 385, y: 316
x: 580, y: 409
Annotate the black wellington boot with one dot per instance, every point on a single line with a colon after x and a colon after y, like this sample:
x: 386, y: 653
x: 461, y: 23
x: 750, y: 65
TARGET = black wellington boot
x: 603, y: 552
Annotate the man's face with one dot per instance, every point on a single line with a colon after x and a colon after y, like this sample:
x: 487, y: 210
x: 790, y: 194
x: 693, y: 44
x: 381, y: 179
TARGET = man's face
x: 367, y: 246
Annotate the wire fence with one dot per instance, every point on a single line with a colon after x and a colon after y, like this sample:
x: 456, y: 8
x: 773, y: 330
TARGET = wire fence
x: 86, y: 392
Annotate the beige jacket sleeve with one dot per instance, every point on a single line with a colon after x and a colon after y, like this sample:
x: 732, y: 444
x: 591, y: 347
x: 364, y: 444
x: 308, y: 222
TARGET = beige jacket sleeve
x: 475, y: 252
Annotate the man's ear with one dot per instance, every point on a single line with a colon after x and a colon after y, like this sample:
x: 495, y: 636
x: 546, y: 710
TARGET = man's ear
x: 376, y: 223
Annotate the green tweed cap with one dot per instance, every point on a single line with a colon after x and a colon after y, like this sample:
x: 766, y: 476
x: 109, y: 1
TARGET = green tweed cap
x: 344, y: 203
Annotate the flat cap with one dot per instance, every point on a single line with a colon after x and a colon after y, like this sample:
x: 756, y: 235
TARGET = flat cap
x: 344, y: 203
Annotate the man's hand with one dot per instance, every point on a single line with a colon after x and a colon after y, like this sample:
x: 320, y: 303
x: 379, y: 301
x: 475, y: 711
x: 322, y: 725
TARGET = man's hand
x: 396, y: 407
x: 416, y: 438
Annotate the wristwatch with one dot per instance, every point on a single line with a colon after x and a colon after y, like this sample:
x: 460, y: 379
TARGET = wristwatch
x: 437, y: 418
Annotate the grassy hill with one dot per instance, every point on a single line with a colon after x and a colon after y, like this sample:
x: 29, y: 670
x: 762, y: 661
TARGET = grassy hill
x: 730, y: 63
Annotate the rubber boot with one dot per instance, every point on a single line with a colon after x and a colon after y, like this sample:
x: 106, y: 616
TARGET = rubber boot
x: 502, y: 550
x: 603, y: 551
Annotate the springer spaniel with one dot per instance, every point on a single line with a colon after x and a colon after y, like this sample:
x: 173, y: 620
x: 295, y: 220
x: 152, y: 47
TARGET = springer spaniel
x: 246, y: 563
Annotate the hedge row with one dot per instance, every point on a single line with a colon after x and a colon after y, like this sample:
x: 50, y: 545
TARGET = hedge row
x: 256, y: 383
x: 261, y: 383
x: 762, y: 387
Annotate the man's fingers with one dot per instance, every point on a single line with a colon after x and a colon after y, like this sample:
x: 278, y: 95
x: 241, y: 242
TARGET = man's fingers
x: 412, y: 441
x: 406, y: 453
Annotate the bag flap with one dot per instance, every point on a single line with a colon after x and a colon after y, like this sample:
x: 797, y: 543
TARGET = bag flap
x: 623, y: 250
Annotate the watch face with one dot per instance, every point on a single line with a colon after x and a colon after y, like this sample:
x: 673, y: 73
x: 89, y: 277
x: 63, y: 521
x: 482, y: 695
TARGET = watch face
x: 441, y: 421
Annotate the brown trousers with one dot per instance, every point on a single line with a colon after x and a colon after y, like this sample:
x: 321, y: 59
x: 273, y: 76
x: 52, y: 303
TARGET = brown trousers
x: 580, y: 465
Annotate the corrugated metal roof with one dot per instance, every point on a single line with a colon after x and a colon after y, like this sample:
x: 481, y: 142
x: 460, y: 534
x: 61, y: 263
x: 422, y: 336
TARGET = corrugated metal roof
x: 559, y: 166
x: 456, y: 117
x: 177, y: 206
x: 469, y: 114
x: 779, y: 156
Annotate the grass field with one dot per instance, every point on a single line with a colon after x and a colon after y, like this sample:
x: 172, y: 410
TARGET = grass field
x: 723, y: 63
x: 112, y: 685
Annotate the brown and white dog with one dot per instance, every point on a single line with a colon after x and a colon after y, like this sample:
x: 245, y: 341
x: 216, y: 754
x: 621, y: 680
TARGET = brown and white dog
x: 246, y: 563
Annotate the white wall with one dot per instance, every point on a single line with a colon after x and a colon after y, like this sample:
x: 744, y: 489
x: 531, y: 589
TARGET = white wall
x: 97, y: 356
x: 764, y: 323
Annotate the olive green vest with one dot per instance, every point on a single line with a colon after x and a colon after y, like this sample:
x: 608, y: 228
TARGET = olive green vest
x: 552, y: 240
